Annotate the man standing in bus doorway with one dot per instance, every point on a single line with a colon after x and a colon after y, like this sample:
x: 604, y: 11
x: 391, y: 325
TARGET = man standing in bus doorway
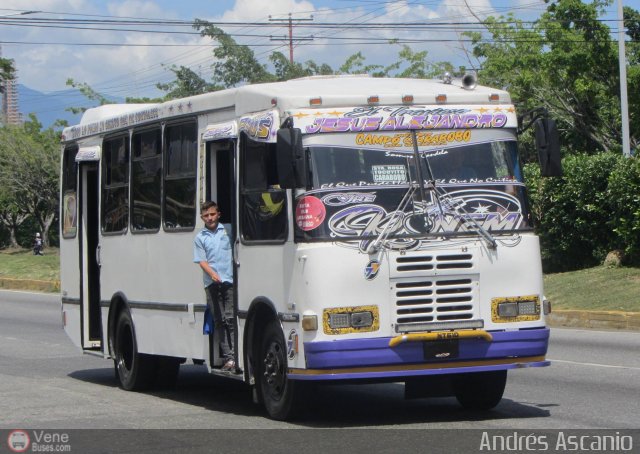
x: 212, y: 251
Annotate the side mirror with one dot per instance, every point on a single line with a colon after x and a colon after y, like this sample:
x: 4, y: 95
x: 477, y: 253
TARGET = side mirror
x: 291, y: 161
x: 548, y: 146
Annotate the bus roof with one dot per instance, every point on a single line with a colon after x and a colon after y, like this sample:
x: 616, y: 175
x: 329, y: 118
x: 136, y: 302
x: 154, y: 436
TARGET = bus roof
x: 333, y: 91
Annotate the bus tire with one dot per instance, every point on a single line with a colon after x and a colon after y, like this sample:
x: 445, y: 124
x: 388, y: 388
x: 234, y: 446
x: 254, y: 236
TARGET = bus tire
x: 279, y: 395
x: 479, y: 390
x: 135, y: 371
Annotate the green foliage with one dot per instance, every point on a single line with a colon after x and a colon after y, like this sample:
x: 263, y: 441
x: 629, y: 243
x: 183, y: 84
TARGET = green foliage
x: 235, y: 64
x: 593, y: 209
x: 187, y: 83
x: 566, y: 62
x: 143, y: 100
x: 87, y: 91
x: 286, y: 70
x: 7, y: 69
x: 632, y: 22
x: 29, y: 169
x: 623, y: 194
x: 354, y: 64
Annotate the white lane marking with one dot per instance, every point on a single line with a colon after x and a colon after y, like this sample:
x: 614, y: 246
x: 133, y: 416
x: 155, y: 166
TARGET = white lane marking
x: 592, y: 364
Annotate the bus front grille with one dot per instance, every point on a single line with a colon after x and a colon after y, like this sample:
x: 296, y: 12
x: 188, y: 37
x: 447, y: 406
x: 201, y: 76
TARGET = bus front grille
x: 432, y: 262
x: 434, y: 299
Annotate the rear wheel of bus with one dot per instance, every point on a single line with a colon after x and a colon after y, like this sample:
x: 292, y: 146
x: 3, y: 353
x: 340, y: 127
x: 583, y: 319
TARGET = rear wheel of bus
x: 479, y: 390
x: 279, y: 395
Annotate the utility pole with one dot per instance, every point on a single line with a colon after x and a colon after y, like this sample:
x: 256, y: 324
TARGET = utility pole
x: 624, y: 107
x: 290, y: 20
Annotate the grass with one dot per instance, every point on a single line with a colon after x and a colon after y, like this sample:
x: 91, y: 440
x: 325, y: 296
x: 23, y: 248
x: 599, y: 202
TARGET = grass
x: 22, y: 264
x: 600, y: 288
x: 595, y: 289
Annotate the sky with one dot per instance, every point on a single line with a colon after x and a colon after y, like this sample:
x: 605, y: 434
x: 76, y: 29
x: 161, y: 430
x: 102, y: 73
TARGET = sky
x: 129, y: 60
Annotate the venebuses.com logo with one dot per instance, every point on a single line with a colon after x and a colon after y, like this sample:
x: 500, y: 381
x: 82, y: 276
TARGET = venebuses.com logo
x: 38, y: 441
x: 18, y: 441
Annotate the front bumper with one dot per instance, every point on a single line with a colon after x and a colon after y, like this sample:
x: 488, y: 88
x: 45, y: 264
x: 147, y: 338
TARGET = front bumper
x: 375, y: 359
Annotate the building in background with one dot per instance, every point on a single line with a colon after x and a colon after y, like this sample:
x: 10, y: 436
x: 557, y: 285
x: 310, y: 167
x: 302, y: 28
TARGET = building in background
x: 10, y: 106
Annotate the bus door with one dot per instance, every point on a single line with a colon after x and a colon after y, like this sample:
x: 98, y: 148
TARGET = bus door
x: 89, y: 236
x: 220, y: 186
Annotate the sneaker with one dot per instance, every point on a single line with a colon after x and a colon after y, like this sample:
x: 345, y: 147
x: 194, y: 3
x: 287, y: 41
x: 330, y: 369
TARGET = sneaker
x: 229, y: 366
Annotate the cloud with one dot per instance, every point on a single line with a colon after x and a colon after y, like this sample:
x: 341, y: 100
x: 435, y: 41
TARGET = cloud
x: 134, y: 71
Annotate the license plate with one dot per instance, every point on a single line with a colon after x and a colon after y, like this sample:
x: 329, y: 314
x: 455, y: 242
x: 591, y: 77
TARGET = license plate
x: 444, y: 349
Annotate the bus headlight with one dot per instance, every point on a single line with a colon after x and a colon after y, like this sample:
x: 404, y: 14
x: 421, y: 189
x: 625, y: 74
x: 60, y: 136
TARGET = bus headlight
x: 507, y: 309
x: 337, y: 321
x: 515, y: 309
x: 341, y: 320
x: 361, y: 319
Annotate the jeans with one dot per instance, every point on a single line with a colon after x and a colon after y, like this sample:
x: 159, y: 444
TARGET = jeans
x: 220, y: 301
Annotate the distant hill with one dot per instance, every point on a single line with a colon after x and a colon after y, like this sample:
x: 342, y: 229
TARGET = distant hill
x: 50, y: 107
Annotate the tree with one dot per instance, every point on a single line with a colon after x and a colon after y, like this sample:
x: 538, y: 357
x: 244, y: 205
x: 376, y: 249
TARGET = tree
x: 12, y: 214
x: 89, y: 92
x: 7, y: 70
x: 235, y: 64
x: 632, y: 23
x: 565, y: 62
x: 29, y: 172
x: 187, y: 83
x: 286, y: 70
x: 354, y: 64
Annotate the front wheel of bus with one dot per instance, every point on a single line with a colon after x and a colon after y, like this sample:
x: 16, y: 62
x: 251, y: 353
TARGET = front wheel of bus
x: 134, y: 371
x: 480, y: 390
x: 278, y: 394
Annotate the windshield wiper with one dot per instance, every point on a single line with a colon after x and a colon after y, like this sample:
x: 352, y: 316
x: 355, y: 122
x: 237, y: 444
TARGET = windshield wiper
x: 458, y: 208
x: 443, y: 198
x: 382, y: 236
x: 375, y: 245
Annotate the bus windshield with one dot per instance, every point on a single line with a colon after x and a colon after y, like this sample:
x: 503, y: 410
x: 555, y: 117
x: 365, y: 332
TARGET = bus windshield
x: 360, y: 193
x: 492, y: 162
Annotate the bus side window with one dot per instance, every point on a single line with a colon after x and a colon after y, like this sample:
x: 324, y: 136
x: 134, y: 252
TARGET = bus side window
x: 115, y: 185
x: 146, y: 169
x: 264, y: 204
x: 181, y: 151
x: 69, y: 192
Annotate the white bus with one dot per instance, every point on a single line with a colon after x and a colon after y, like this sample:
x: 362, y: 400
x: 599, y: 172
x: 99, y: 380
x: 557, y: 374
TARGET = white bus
x: 380, y: 232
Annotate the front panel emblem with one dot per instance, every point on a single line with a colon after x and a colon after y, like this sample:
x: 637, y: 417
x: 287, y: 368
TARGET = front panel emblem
x: 371, y: 270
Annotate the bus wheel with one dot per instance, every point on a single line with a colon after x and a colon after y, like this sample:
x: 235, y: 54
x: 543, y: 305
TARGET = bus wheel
x: 135, y: 371
x: 479, y: 390
x: 279, y: 395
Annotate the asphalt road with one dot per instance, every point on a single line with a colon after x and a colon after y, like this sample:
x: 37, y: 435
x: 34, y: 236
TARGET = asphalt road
x: 593, y: 383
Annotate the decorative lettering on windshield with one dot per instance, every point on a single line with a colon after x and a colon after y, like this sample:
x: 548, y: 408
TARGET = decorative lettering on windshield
x: 424, y: 139
x: 348, y: 198
x: 379, y: 119
x: 356, y: 221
